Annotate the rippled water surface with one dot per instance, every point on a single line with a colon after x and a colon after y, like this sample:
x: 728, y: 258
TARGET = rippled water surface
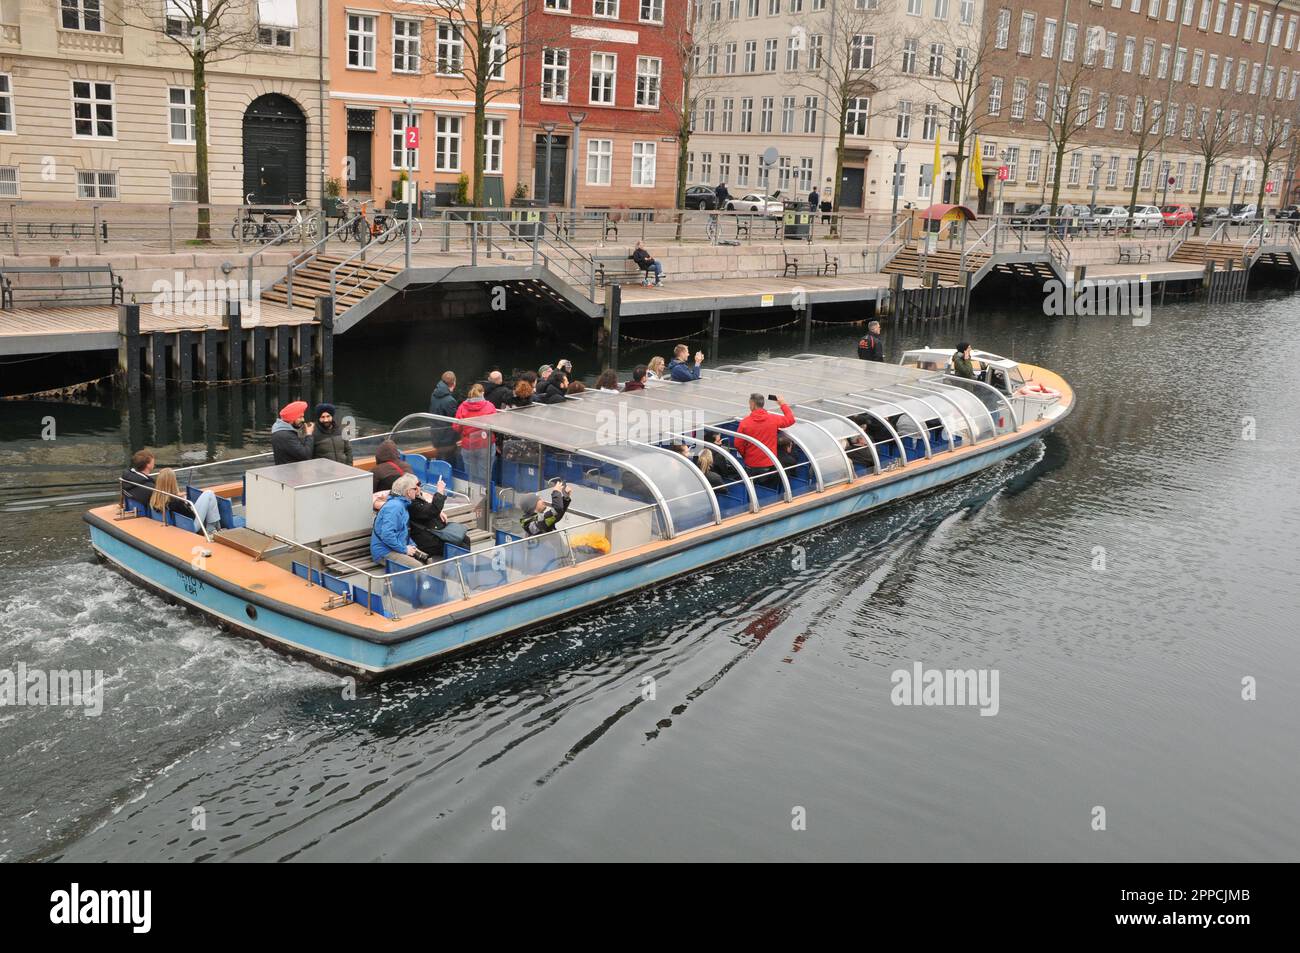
x: 1120, y: 686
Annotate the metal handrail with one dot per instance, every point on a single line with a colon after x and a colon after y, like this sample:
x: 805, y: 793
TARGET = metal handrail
x: 286, y: 235
x: 309, y: 253
x: 360, y: 253
x: 1179, y: 238
x: 881, y: 244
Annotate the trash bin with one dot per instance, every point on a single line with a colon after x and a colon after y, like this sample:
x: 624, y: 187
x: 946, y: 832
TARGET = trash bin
x: 428, y: 202
x: 523, y: 218
x: 797, y: 225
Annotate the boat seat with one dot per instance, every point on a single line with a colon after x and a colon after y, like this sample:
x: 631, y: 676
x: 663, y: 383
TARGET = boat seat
x: 192, y: 493
x: 502, y: 537
x: 376, y: 600
x: 480, y: 573
x: 767, y: 495
x: 420, y: 589
x: 228, y: 518
x: 352, y: 547
x: 180, y: 521
x: 438, y: 468
x: 418, y: 463
x: 135, y: 506
x: 451, y: 550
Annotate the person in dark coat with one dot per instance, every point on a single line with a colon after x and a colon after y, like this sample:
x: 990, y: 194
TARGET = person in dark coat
x: 426, y: 519
x: 523, y: 395
x: 961, y: 363
x: 647, y: 263
x: 444, y: 403
x: 871, y: 347
x: 389, y: 465
x: 556, y: 386
x: 328, y: 442
x: 814, y: 199
x: 539, y: 518
x: 638, y: 379
x: 137, y: 481
x: 681, y: 371
x: 722, y: 194
x: 291, y: 437
x: 496, y: 391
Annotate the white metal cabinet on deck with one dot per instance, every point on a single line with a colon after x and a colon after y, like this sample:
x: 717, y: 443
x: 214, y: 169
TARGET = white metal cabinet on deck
x: 308, y: 500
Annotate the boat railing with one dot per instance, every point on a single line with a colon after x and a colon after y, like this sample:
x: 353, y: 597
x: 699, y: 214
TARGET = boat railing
x: 125, y: 486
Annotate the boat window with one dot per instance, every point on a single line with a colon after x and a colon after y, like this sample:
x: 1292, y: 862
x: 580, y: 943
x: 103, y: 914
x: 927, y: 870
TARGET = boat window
x: 689, y: 500
x: 822, y: 448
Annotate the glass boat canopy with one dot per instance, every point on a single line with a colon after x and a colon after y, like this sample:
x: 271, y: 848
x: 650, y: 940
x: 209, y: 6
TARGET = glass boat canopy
x: 853, y: 417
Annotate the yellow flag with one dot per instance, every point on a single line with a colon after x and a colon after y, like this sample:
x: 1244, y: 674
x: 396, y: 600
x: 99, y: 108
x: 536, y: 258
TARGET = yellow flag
x: 935, y: 194
x: 977, y: 166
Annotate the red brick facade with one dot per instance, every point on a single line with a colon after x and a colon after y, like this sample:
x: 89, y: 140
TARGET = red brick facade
x: 577, y: 61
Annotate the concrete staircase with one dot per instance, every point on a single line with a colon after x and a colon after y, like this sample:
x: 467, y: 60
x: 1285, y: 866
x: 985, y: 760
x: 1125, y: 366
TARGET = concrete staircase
x: 947, y: 263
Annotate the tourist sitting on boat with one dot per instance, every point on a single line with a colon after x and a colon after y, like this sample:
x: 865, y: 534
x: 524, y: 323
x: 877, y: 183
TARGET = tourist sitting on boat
x: 523, y: 394
x: 443, y: 402
x: 607, y: 382
x: 430, y: 532
x: 576, y: 387
x: 390, y: 537
x: 646, y: 262
x: 495, y: 390
x: 475, y: 444
x: 704, y: 460
x: 871, y: 347
x: 553, y: 391
x: 679, y: 370
x: 858, y: 451
x: 291, y: 436
x: 328, y: 441
x: 540, y: 518
x: 785, y: 453
x: 389, y: 466
x: 961, y: 363
x: 656, y: 369
x: 638, y: 378
x: 167, y: 497
x: 762, y: 426
x: 137, y: 481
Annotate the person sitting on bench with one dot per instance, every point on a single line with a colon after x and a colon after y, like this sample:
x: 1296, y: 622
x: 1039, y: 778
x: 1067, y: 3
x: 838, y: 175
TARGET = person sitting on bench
x: 139, y: 476
x: 646, y: 262
x: 390, y: 538
x: 430, y: 531
x: 539, y: 518
x: 167, y: 497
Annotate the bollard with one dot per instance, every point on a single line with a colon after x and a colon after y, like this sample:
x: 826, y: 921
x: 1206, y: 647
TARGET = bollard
x: 232, y: 320
x: 128, y: 347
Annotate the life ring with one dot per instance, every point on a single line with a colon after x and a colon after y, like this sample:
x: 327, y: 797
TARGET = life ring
x: 1035, y: 389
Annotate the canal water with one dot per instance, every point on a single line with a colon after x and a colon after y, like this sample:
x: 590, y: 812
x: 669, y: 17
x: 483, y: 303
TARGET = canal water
x: 1125, y: 577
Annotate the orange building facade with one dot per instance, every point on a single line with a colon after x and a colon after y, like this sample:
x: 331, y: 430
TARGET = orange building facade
x: 392, y: 64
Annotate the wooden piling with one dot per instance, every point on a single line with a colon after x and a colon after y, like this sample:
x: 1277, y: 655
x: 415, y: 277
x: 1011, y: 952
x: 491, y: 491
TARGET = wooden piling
x: 324, y: 351
x: 612, y: 322
x: 128, y: 347
x: 210, y: 350
x: 232, y: 320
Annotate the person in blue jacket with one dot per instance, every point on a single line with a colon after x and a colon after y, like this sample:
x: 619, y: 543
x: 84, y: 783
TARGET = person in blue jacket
x: 391, y: 536
x: 678, y: 368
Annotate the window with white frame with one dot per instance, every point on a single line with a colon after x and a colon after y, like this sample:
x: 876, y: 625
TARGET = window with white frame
x: 92, y: 111
x: 1013, y: 163
x: 816, y: 43
x: 706, y: 166
x: 751, y: 56
x: 560, y: 6
x: 406, y: 45
x: 787, y: 114
x: 6, y: 103
x: 903, y: 127
x: 399, y: 120
x: 724, y: 166
x: 451, y: 50
x: 1049, y: 38
x: 805, y: 174
x: 9, y: 181
x: 728, y: 114
x: 930, y: 122
x: 746, y: 114
x: 185, y: 187
x: 648, y: 69
x: 1028, y: 26
x: 178, y: 17
x: 494, y: 140
x: 498, y: 53
x: 1103, y: 110
x: 769, y: 55
x: 995, y: 97
x: 783, y: 173
x: 765, y: 114
x: 1019, y: 94
x: 605, y: 9
x: 180, y: 114
x: 811, y: 107
x: 936, y: 59
x: 604, y: 67
x: 361, y: 41
x: 857, y: 116
x: 652, y: 11
x: 1032, y: 165
x: 1002, y: 31
x: 85, y: 15
x: 96, y: 185
x: 555, y: 75
x: 742, y: 170
x: 862, y: 51
x: 792, y: 47
x: 447, y: 144
x: 729, y: 58
x: 275, y: 37
x: 600, y: 161
x: 909, y: 54
x: 643, y: 163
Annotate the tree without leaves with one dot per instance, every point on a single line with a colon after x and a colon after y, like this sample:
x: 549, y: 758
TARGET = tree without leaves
x: 959, y: 88
x: 1070, y: 103
x: 690, y: 44
x: 208, y: 32
x: 1213, y: 137
x: 1268, y: 141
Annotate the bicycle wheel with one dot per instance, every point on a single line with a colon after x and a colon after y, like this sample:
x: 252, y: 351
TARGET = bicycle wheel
x: 249, y: 230
x: 416, y: 231
x: 271, y: 230
x: 312, y: 227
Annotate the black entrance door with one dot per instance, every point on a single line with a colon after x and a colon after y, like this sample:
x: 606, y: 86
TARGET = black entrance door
x: 275, y: 150
x: 559, y: 165
x: 360, y: 149
x: 851, y: 188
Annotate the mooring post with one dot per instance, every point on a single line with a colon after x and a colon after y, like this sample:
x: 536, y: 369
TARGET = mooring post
x: 325, y: 334
x: 807, y: 326
x: 283, y: 350
x: 184, y: 362
x: 233, y: 320
x: 211, y: 355
x: 260, y: 337
x: 1163, y: 285
x: 715, y: 330
x: 1207, y: 278
x: 128, y: 347
x: 156, y: 356
x: 1245, y: 274
x: 965, y: 306
x: 303, y: 346
x: 895, y: 293
x: 612, y: 321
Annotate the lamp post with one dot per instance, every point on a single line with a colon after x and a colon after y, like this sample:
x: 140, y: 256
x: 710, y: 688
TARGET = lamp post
x: 408, y: 184
x: 549, y: 129
x: 1232, y: 196
x: 898, y: 161
x: 1097, y: 163
x: 577, y: 118
x: 1005, y: 156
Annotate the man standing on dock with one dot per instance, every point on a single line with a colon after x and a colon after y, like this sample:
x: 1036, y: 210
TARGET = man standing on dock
x: 762, y: 426
x: 871, y: 348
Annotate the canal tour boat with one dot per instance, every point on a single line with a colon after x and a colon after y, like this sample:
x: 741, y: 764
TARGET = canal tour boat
x: 291, y: 563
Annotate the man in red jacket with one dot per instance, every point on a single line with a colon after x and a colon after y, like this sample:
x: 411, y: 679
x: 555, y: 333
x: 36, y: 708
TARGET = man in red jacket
x: 762, y: 426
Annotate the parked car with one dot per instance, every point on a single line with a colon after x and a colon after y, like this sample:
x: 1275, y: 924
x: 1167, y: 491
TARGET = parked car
x: 757, y: 202
x: 1110, y: 215
x: 1289, y: 214
x: 1147, y: 216
x: 1176, y: 216
x: 1247, y: 212
x: 701, y: 196
x: 1213, y: 215
x: 1024, y: 211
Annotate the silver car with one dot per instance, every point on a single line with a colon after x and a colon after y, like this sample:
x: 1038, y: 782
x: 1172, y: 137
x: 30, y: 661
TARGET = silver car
x: 757, y: 202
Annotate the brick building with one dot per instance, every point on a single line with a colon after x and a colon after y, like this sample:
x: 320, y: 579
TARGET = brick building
x: 614, y: 65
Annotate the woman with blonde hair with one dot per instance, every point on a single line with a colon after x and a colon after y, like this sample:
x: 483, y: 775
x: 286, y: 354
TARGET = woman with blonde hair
x: 167, y: 497
x: 655, y: 370
x: 704, y: 459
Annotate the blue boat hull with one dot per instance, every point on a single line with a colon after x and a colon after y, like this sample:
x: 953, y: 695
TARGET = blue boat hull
x: 333, y: 645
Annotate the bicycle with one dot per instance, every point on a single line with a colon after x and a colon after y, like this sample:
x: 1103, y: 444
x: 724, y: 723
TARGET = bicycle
x: 306, y: 225
x: 397, y: 230
x: 252, y: 230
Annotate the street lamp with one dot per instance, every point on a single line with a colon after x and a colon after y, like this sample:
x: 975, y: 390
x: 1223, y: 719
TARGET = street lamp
x: 577, y: 118
x: 898, y: 161
x: 1236, y: 176
x: 1097, y: 163
x: 549, y: 129
x: 1005, y: 156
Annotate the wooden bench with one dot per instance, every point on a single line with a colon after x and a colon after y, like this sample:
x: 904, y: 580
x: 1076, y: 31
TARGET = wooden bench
x: 616, y: 269
x: 791, y: 264
x: 1133, y: 254
x: 102, y: 285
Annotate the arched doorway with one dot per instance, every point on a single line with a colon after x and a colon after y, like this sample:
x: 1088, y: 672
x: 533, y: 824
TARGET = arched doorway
x: 275, y: 150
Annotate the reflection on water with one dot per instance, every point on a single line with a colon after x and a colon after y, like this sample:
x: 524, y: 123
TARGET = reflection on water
x: 690, y: 720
